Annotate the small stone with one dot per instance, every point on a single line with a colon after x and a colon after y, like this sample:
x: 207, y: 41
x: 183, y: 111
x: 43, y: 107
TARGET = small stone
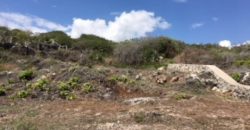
x: 175, y: 79
x: 161, y: 79
x: 138, y: 77
x: 141, y: 100
x: 161, y: 68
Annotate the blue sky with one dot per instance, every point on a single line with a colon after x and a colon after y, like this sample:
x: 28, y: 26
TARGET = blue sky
x: 192, y: 21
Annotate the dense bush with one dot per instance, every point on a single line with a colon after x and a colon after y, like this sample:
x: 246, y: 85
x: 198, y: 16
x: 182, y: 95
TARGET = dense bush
x: 26, y: 75
x: 56, y: 37
x: 2, y: 91
x: 236, y: 76
x: 94, y: 43
x: 148, y: 50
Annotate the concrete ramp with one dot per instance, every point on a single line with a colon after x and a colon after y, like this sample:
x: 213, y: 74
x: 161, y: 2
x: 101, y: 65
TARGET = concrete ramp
x: 222, y: 75
x: 218, y: 73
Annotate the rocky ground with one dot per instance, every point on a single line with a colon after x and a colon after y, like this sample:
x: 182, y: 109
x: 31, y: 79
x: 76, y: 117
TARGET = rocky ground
x: 64, y: 95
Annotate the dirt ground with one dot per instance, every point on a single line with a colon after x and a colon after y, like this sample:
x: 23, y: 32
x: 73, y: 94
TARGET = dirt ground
x: 139, y: 100
x: 212, y: 112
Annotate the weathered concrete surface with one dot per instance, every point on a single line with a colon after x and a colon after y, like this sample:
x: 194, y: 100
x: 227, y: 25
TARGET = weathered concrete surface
x: 225, y: 82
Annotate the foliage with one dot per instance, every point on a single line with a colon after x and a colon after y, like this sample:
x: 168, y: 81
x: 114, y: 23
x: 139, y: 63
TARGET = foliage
x: 139, y: 117
x: 66, y: 88
x: 88, y: 88
x: 26, y: 75
x: 123, y: 79
x: 73, y: 83
x: 22, y: 94
x: 41, y: 84
x: 148, y: 50
x: 5, y: 35
x: 2, y: 91
x: 236, y: 76
x: 20, y: 37
x: 245, y: 63
x: 94, y: 43
x: 65, y: 94
x: 181, y: 96
x: 25, y: 126
x: 57, y: 37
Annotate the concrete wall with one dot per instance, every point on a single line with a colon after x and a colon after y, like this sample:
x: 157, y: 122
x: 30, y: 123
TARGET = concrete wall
x: 188, y: 68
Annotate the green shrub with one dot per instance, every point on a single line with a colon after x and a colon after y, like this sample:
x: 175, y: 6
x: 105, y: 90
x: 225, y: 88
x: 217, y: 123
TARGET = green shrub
x: 147, y: 51
x: 139, y: 117
x: 245, y: 63
x: 94, y: 43
x: 26, y: 75
x: 41, y: 84
x: 65, y: 94
x: 64, y: 86
x: 181, y: 96
x: 25, y: 126
x: 23, y: 94
x: 71, y: 84
x: 236, y: 76
x: 123, y: 79
x: 88, y: 88
x: 2, y: 91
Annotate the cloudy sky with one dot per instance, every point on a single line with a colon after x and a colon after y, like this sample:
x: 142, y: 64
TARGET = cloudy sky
x: 193, y: 21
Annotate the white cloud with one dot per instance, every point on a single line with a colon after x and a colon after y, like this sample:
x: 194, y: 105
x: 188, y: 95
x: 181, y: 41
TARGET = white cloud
x: 197, y: 25
x: 225, y: 43
x: 215, y: 19
x: 126, y: 26
x: 246, y: 43
x: 181, y: 1
x: 31, y: 23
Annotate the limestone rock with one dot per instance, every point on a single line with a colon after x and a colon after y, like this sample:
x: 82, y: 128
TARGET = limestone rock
x: 141, y: 100
x: 175, y: 79
x: 245, y: 78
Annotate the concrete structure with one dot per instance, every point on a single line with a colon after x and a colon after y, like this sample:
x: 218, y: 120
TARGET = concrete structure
x: 225, y: 82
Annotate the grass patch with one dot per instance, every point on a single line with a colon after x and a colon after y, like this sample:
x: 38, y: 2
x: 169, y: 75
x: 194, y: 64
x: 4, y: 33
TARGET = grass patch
x: 22, y: 94
x: 88, y: 88
x: 41, y: 84
x: 236, y: 76
x: 2, y: 90
x: 182, y: 96
x: 26, y: 75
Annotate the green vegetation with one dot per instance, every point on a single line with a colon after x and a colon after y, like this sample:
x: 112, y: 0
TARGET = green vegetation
x: 88, y: 88
x: 22, y: 94
x: 21, y: 125
x: 236, y: 76
x: 2, y: 90
x: 123, y: 79
x: 66, y: 94
x: 41, y: 84
x: 66, y: 88
x: 26, y: 75
x: 181, y: 96
x: 139, y: 117
x: 145, y: 51
x: 58, y: 37
x: 71, y: 84
x: 245, y: 63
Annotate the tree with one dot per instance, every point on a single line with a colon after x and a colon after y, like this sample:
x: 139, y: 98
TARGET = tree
x: 56, y: 37
x: 5, y: 35
x: 21, y: 37
x: 95, y: 43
